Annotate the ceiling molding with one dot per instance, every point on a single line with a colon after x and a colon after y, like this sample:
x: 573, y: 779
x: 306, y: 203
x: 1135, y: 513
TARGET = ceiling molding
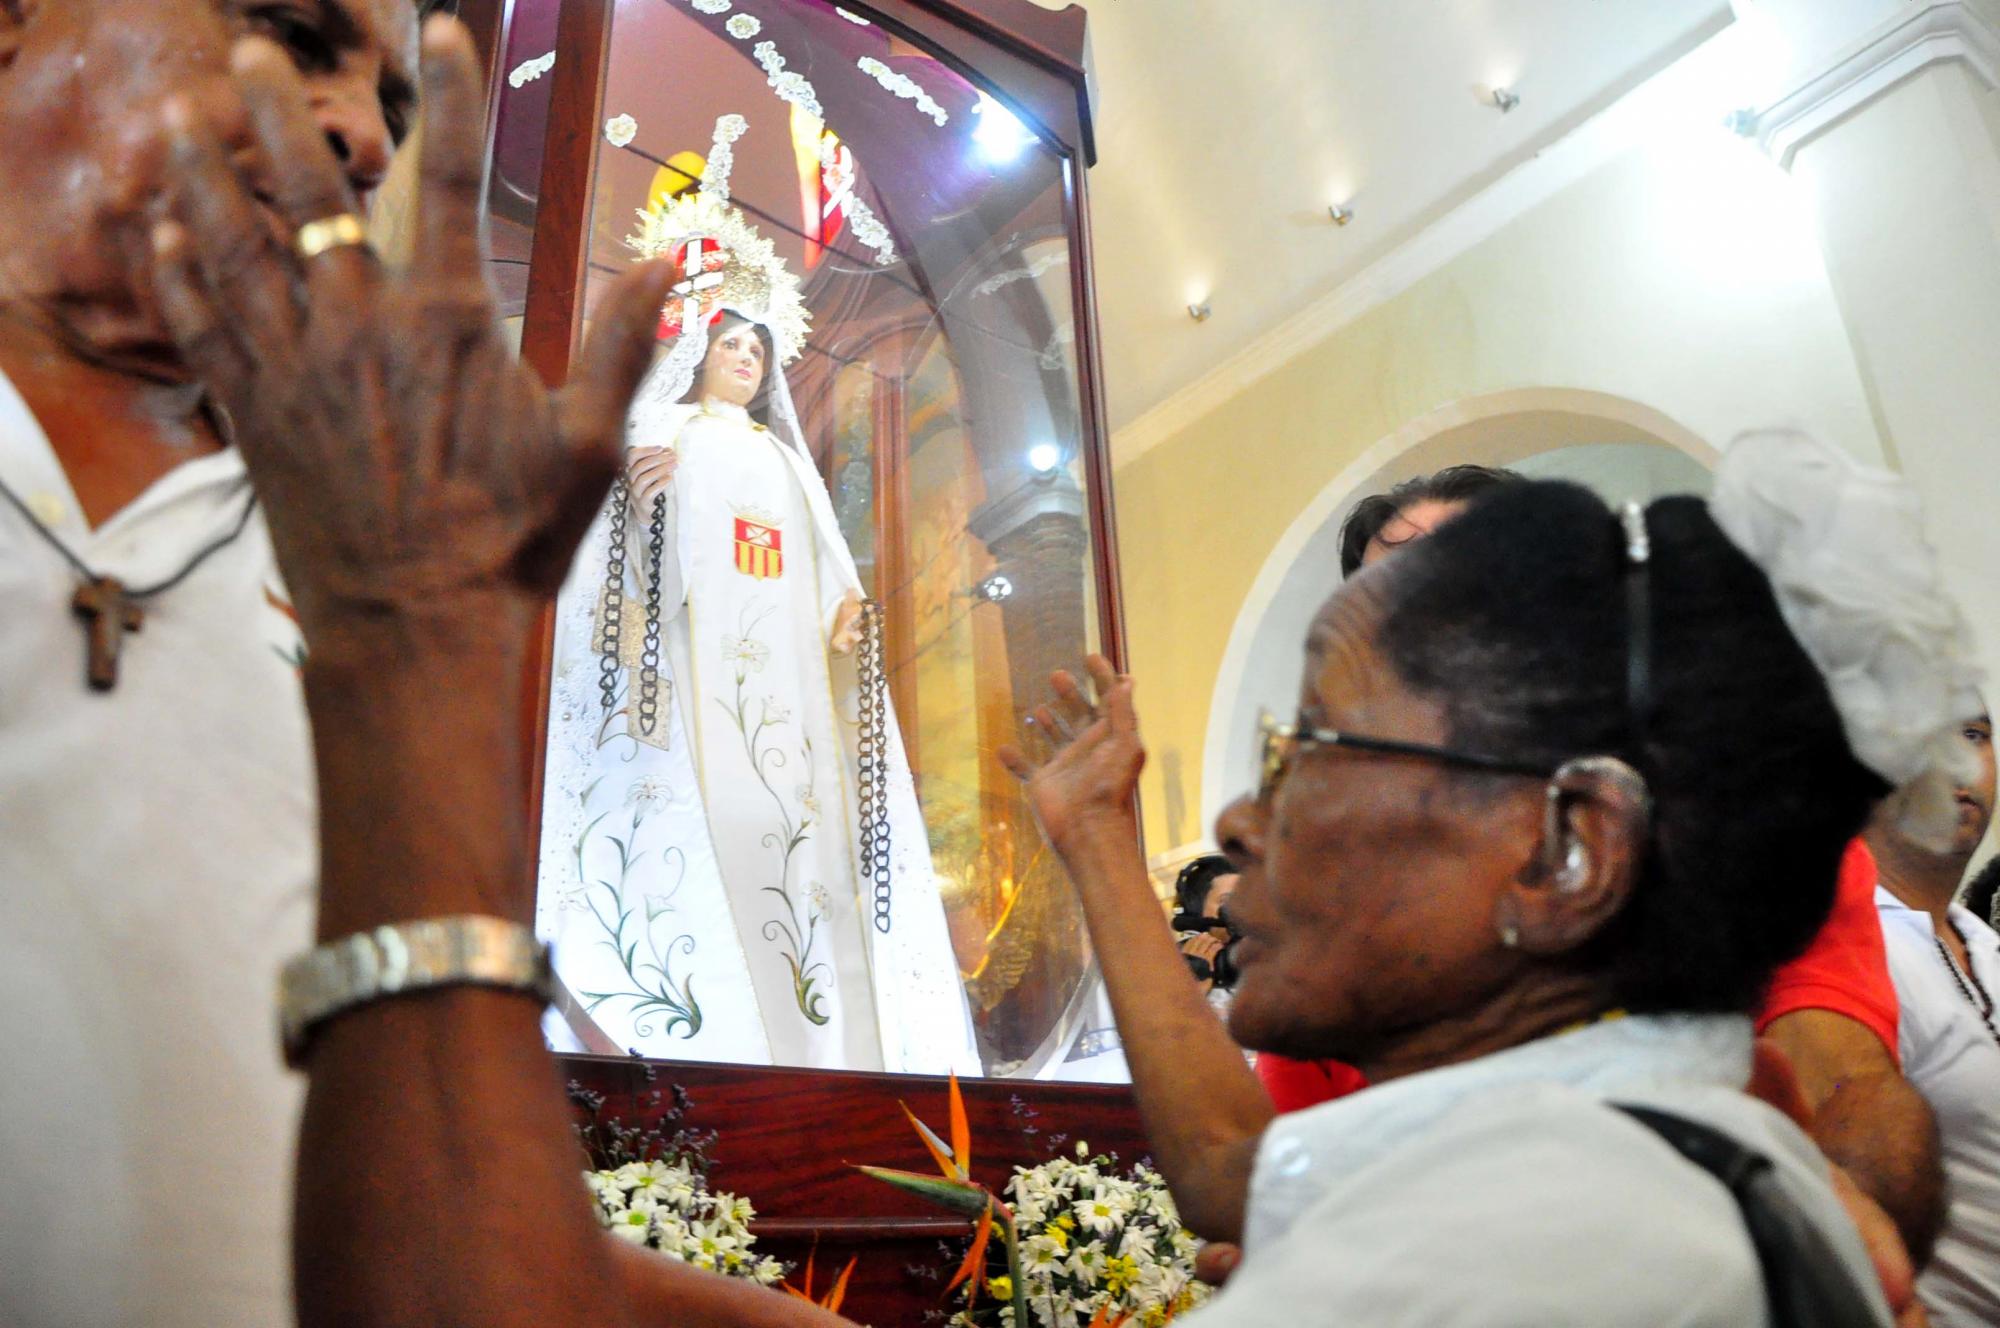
x: 1934, y: 33
x: 1568, y: 158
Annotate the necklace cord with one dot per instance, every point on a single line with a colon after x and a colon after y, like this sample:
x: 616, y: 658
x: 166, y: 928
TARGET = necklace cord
x: 84, y: 569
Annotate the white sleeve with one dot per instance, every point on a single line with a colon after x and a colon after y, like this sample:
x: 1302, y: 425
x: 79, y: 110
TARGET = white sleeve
x: 1530, y: 1215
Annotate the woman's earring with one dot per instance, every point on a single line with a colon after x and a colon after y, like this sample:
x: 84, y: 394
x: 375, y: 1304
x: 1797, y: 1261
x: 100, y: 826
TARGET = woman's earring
x: 1510, y: 937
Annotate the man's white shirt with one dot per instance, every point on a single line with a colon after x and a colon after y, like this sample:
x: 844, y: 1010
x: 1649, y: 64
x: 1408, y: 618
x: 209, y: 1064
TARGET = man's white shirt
x: 157, y: 851
x: 1950, y: 1054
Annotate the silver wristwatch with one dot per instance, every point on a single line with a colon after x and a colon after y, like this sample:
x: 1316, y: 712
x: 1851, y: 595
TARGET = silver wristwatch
x: 406, y: 957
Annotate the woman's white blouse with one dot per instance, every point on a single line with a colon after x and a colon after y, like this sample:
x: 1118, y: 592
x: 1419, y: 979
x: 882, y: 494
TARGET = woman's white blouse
x: 1505, y: 1193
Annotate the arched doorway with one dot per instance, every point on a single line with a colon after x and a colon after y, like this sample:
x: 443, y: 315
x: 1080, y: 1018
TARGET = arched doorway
x: 1617, y: 446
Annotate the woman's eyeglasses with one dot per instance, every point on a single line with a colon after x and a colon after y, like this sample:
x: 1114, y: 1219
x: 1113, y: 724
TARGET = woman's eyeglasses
x: 1282, y: 742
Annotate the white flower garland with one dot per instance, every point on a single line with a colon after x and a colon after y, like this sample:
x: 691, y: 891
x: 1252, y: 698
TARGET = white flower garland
x: 1034, y: 271
x: 789, y: 85
x: 861, y: 218
x: 722, y: 156
x: 903, y: 86
x: 530, y: 70
x: 620, y: 130
x: 743, y: 27
x: 712, y: 6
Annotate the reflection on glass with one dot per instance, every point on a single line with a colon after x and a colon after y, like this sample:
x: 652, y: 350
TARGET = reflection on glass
x: 520, y: 129
x: 705, y: 867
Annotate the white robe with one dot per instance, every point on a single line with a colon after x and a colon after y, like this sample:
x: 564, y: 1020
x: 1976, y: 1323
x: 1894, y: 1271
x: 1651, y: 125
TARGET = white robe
x: 700, y: 883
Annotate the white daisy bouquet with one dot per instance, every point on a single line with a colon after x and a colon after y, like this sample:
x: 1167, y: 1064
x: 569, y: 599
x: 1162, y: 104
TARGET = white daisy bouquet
x: 667, y: 1206
x: 1098, y: 1245
x: 650, y: 1187
x: 1081, y: 1244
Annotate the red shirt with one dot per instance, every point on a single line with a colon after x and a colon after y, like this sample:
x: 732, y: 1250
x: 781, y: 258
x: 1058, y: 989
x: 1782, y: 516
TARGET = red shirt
x: 1845, y: 970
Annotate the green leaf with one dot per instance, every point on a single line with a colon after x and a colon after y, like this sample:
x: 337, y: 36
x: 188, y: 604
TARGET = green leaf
x: 962, y: 1197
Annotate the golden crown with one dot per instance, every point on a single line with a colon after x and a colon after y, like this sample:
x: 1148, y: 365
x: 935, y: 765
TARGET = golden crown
x: 741, y: 272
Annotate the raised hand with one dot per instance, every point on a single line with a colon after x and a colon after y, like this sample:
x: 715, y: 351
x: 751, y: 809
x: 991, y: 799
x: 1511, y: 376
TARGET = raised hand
x: 1081, y: 761
x: 412, y: 468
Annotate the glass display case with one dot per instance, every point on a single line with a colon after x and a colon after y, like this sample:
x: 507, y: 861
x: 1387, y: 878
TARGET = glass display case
x: 893, y: 193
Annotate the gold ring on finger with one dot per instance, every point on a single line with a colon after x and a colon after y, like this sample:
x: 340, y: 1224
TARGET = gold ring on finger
x: 316, y: 237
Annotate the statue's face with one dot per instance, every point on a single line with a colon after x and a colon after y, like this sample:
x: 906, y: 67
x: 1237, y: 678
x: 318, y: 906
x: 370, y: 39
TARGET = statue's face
x: 734, y: 369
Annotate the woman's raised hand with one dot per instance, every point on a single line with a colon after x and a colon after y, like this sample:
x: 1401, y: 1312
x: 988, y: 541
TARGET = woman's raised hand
x: 413, y: 469
x: 1081, y: 761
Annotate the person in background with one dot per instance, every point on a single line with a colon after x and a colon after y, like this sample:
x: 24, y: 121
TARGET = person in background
x: 1946, y: 963
x: 156, y: 773
x: 1383, y: 522
x: 1200, y: 891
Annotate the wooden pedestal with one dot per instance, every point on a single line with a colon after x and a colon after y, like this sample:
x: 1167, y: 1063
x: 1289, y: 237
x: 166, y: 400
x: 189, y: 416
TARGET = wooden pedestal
x: 788, y: 1137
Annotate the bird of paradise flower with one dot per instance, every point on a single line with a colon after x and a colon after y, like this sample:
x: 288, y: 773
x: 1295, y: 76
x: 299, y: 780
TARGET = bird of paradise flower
x: 958, y: 1192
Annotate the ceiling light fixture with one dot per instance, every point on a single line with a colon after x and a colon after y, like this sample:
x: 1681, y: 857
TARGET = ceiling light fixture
x: 1341, y: 213
x: 1043, y: 458
x: 1200, y: 312
x: 1504, y: 99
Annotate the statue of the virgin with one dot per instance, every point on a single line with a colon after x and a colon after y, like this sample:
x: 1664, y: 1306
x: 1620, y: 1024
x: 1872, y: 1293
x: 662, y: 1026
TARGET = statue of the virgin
x: 734, y: 863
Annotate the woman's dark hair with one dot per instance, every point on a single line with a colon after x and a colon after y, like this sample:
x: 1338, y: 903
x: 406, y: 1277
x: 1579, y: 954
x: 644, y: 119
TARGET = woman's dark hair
x: 1453, y: 484
x: 1192, y: 885
x: 1515, y: 617
x: 760, y: 404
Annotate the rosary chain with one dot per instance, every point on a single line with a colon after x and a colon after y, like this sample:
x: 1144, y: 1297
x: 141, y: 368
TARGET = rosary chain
x: 649, y: 659
x: 614, y: 597
x: 872, y: 748
x: 1984, y: 1009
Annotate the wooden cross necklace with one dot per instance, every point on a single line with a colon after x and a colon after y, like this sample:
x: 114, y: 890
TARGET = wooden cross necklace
x: 108, y: 607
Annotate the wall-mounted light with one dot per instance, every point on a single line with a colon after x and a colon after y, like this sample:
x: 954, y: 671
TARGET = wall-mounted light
x: 1043, y: 458
x: 1504, y: 99
x: 1340, y: 213
x: 1200, y: 311
x: 994, y: 589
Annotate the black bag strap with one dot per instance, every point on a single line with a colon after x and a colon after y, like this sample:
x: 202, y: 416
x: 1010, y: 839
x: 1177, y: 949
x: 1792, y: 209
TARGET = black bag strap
x: 1806, y: 1282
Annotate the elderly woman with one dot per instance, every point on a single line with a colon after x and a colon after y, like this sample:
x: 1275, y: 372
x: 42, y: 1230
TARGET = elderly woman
x: 1531, y: 848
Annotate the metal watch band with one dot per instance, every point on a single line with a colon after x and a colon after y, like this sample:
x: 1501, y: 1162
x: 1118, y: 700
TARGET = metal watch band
x: 406, y: 957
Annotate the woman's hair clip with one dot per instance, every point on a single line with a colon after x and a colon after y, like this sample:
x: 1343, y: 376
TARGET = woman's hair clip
x: 1638, y: 544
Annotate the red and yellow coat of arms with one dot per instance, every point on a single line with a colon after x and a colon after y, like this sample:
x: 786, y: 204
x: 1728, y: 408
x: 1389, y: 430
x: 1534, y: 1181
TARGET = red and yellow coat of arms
x: 760, y: 549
